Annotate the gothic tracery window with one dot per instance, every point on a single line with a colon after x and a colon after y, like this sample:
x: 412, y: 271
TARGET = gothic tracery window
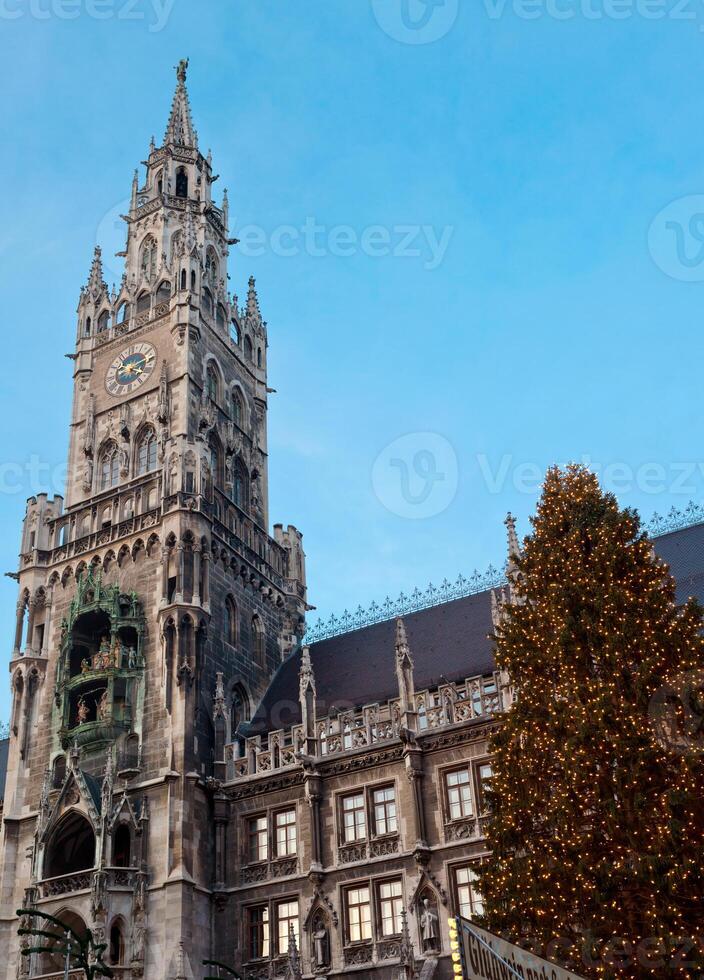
x: 231, y: 624
x: 146, y: 453
x: 239, y: 711
x: 237, y: 408
x: 258, y: 640
x: 109, y: 467
x: 212, y: 382
x: 148, y: 259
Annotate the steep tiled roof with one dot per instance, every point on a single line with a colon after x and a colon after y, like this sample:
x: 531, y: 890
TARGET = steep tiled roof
x: 449, y: 641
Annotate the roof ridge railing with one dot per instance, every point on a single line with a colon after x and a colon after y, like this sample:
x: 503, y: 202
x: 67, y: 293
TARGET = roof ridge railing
x: 492, y: 578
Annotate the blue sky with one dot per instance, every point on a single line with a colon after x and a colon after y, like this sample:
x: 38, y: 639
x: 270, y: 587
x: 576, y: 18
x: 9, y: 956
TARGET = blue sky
x: 505, y: 272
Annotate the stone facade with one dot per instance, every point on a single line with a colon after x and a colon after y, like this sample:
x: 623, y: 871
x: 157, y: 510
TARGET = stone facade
x: 183, y: 776
x: 151, y: 594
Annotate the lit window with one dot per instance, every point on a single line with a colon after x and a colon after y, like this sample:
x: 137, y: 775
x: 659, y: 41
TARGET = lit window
x: 258, y: 840
x: 390, y: 906
x: 469, y: 900
x: 384, y: 801
x: 354, y: 821
x: 286, y: 921
x: 359, y: 915
x: 484, y: 774
x: 285, y: 833
x: 258, y: 919
x: 459, y: 794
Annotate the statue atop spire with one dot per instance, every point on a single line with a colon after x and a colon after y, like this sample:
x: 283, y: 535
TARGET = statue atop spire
x: 179, y: 129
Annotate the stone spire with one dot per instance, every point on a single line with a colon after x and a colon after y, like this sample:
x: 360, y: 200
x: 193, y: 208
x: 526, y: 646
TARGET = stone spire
x: 179, y: 129
x: 96, y: 284
x: 293, y: 969
x: 404, y: 676
x: 514, y: 549
x: 307, y: 696
x: 253, y: 311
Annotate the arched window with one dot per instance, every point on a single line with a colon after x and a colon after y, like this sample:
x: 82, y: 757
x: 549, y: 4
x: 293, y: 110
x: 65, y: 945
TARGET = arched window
x: 58, y: 772
x: 240, y: 485
x: 122, y: 847
x: 163, y: 293
x: 160, y: 183
x: 220, y: 316
x: 54, y: 962
x: 239, y: 710
x: 148, y: 256
x: 109, y: 467
x: 208, y: 301
x: 231, y: 621
x: 143, y: 302
x: 71, y: 848
x: 237, y: 408
x: 103, y: 321
x: 88, y: 326
x: 259, y: 357
x: 212, y: 382
x: 234, y: 332
x: 258, y: 640
x: 123, y: 314
x: 193, y: 280
x: 247, y: 348
x: 183, y: 279
x: 117, y: 944
x: 146, y: 453
x: 181, y: 182
x: 215, y: 461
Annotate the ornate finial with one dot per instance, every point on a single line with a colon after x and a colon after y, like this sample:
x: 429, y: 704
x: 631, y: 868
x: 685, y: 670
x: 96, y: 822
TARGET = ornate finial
x: 401, y: 637
x: 514, y: 549
x: 253, y: 300
x: 179, y: 129
x: 96, y: 284
x: 293, y: 969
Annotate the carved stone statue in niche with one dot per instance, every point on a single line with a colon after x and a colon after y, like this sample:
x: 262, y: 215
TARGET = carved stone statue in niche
x: 321, y: 942
x: 429, y: 926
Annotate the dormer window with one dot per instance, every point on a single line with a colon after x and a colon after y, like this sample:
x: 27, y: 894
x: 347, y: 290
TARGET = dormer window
x: 181, y: 182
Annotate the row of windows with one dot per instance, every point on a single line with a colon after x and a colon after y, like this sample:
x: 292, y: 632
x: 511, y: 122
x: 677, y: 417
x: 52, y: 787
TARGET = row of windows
x: 368, y: 812
x: 372, y: 911
x: 146, y: 460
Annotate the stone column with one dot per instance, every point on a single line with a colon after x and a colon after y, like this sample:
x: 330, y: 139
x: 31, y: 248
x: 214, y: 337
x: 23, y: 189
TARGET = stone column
x: 206, y: 579
x: 314, y: 793
x: 220, y: 817
x: 19, y: 625
x: 165, y: 555
x: 414, y: 772
x: 180, y: 565
x: 196, y: 575
x: 30, y: 624
x: 47, y: 622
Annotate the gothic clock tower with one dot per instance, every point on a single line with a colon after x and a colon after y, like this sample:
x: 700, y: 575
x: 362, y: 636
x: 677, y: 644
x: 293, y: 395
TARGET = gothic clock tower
x: 154, y: 606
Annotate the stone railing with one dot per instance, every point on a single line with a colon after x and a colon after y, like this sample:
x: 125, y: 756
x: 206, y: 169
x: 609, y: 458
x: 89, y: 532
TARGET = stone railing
x: 376, y: 724
x: 66, y: 884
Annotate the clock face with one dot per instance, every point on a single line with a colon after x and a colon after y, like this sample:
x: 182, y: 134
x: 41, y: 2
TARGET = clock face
x: 130, y: 369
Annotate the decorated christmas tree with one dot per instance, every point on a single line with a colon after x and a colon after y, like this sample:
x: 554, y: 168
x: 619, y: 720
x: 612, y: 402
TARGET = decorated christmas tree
x: 597, y: 798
